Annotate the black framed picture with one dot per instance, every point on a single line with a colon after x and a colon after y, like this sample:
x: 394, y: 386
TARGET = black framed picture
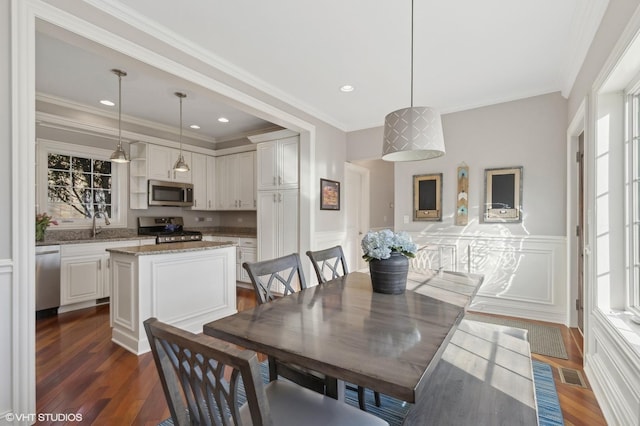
x: 329, y: 194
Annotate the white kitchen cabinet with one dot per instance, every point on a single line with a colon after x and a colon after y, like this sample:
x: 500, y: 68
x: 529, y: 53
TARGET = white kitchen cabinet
x: 277, y: 164
x: 160, y: 161
x: 277, y: 223
x: 235, y: 181
x: 85, y: 273
x: 203, y: 174
x: 246, y: 251
x: 149, y: 161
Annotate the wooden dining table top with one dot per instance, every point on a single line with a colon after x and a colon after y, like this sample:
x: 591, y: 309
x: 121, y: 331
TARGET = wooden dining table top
x: 387, y: 343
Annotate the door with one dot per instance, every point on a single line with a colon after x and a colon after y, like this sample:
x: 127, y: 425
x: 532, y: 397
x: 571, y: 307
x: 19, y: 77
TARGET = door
x: 580, y: 233
x: 356, y: 202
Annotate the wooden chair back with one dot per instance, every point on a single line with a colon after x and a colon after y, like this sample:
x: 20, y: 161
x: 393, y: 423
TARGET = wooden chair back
x: 285, y: 270
x: 201, y: 375
x: 328, y: 263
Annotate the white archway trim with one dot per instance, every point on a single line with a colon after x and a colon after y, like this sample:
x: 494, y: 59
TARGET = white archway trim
x: 24, y: 14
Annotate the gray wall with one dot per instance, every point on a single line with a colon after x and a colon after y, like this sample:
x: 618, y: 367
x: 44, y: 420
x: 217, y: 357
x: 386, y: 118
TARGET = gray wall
x: 529, y: 132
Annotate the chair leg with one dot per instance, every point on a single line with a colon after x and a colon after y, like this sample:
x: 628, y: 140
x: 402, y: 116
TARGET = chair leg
x: 376, y: 395
x: 361, y: 398
x: 273, y: 370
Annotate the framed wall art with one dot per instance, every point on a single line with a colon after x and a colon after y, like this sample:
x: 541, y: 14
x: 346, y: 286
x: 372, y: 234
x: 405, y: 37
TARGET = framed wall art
x: 503, y: 195
x: 427, y: 197
x: 329, y: 194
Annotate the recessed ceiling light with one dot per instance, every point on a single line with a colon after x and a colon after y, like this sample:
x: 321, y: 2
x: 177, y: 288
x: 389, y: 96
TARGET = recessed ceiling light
x: 107, y: 102
x: 223, y: 120
x: 194, y: 126
x: 347, y: 88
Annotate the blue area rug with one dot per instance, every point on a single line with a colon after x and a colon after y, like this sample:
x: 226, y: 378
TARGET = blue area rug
x: 394, y: 411
x: 549, y: 412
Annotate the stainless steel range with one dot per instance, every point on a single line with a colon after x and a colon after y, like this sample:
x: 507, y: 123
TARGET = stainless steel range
x: 166, y: 229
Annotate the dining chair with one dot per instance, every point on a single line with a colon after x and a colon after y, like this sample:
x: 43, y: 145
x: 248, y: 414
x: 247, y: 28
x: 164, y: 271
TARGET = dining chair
x: 330, y: 264
x: 203, y: 378
x: 264, y: 275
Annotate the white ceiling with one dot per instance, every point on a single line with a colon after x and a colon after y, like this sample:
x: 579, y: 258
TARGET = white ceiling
x: 467, y: 53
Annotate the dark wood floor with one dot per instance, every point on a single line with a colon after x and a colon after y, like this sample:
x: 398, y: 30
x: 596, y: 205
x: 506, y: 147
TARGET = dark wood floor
x: 79, y: 371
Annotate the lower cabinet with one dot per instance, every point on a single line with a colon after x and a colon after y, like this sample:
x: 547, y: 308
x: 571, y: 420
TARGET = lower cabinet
x: 246, y: 251
x: 85, y: 273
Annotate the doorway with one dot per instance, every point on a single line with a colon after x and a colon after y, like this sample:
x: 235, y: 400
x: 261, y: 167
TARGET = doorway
x: 356, y: 201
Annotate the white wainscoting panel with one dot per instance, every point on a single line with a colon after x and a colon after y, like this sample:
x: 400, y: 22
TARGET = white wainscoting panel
x: 523, y: 276
x: 6, y: 325
x: 613, y: 370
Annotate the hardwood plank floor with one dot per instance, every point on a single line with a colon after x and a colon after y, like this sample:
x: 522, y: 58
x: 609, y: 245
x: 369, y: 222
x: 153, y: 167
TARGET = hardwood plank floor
x: 80, y: 371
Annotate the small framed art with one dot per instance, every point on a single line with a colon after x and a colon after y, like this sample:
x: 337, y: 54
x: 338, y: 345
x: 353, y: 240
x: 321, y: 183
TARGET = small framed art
x: 329, y: 194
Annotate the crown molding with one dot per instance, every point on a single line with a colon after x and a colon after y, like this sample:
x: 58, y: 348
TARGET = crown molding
x: 271, y: 136
x: 76, y: 106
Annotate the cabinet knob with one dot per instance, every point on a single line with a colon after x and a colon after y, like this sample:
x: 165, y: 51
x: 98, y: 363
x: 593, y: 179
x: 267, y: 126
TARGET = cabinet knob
x: 279, y: 180
x: 239, y: 203
x: 274, y: 181
x: 274, y: 198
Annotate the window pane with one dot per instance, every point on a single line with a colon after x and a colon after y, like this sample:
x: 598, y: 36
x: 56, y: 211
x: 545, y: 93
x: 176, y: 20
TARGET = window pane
x: 81, y: 164
x: 103, y: 167
x: 102, y: 181
x: 59, y: 178
x: 58, y: 161
x: 58, y: 194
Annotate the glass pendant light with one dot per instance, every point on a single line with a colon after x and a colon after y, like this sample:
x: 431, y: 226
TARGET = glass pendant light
x: 413, y: 133
x: 181, y: 165
x: 119, y: 155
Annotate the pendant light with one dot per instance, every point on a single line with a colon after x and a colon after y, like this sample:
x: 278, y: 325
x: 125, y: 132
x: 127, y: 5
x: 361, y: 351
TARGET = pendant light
x: 181, y: 165
x: 413, y: 133
x: 119, y: 155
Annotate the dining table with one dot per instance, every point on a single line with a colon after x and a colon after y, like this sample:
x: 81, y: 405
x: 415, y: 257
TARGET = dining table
x: 343, y: 329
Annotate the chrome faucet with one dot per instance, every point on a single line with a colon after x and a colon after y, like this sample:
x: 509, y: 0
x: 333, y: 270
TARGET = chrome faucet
x: 97, y: 229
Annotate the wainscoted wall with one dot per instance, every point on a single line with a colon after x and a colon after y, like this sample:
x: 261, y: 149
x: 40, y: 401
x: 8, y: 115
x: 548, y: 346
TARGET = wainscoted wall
x: 523, y: 276
x: 613, y: 371
x: 6, y: 322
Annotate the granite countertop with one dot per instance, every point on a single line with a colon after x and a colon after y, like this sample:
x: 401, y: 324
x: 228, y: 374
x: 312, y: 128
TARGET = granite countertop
x: 81, y: 236
x: 170, y: 248
x: 227, y: 231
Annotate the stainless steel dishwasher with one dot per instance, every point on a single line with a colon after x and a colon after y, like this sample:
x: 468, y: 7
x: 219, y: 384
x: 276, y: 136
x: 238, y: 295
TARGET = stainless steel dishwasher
x: 47, y: 280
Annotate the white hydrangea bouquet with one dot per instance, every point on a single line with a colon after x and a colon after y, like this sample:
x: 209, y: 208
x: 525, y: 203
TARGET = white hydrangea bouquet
x: 380, y: 245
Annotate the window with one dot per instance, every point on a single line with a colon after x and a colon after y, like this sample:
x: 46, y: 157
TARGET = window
x: 633, y: 197
x: 78, y: 187
x: 76, y: 183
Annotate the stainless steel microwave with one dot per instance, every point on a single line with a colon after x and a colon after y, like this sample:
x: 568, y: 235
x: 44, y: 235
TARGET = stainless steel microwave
x: 177, y: 194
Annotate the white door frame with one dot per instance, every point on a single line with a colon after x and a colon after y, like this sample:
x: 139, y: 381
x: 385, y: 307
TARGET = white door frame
x: 576, y: 127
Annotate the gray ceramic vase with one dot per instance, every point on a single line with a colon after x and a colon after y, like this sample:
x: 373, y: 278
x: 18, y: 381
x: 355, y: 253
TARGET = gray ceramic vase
x: 389, y: 276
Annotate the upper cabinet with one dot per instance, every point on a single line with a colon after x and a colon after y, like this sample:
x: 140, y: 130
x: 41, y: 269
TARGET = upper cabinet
x: 277, y: 166
x: 149, y: 161
x: 160, y: 161
x: 235, y: 181
x: 203, y: 174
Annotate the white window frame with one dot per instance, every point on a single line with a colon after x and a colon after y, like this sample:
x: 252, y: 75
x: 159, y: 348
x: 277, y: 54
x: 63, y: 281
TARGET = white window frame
x: 119, y: 178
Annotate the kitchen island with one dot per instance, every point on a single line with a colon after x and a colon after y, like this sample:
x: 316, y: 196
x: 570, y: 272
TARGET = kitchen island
x: 185, y: 284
